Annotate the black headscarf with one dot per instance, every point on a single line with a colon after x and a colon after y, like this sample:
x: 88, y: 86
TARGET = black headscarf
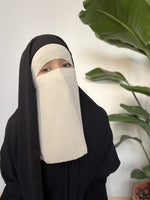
x: 20, y: 152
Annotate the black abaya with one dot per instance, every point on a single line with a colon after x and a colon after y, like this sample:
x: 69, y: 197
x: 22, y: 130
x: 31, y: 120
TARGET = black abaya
x: 29, y: 178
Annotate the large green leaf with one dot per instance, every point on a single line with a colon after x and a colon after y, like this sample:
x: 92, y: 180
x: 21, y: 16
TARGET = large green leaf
x: 136, y: 110
x: 139, y: 89
x: 124, y: 117
x: 102, y: 74
x: 123, y: 23
x: 138, y: 174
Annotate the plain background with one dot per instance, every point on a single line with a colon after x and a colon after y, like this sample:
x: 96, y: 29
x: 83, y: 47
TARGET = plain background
x: 20, y: 21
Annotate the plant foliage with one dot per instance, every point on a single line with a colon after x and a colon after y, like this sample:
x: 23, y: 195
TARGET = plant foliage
x: 120, y: 22
x: 123, y: 23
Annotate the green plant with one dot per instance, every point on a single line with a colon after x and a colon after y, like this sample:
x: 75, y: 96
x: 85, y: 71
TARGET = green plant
x: 125, y: 24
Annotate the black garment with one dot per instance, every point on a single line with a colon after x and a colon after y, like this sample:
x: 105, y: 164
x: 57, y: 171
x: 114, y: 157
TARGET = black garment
x: 57, y: 188
x: 97, y: 190
x: 25, y: 176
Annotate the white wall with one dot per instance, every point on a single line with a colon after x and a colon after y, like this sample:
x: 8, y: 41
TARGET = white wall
x: 22, y: 20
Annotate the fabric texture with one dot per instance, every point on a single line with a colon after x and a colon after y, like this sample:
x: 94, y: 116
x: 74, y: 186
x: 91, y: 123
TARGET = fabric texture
x: 58, y: 96
x: 97, y: 190
x: 27, y: 177
x: 47, y: 53
x: 61, y: 131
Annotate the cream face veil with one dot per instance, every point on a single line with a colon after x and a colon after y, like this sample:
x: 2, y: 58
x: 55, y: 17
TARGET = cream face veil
x: 61, y: 131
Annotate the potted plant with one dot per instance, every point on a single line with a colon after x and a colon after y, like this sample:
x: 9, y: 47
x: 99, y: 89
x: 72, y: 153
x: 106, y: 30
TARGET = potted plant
x: 124, y: 24
x: 135, y: 114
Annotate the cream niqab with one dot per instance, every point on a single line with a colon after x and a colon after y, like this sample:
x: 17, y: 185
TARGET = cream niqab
x: 61, y: 131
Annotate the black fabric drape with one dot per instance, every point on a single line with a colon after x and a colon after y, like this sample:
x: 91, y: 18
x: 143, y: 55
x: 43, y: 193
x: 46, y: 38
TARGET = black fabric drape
x: 20, y: 164
x: 97, y: 190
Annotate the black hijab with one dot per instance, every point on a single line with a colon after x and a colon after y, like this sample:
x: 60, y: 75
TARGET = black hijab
x: 20, y: 152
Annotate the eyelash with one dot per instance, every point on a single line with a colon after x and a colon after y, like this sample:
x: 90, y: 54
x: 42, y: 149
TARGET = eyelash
x: 65, y: 65
x: 45, y: 69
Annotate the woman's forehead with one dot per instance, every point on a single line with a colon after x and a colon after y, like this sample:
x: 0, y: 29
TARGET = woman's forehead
x: 47, y: 53
x: 42, y: 40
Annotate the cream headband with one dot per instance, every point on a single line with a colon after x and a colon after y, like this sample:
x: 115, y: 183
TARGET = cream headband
x: 47, y: 53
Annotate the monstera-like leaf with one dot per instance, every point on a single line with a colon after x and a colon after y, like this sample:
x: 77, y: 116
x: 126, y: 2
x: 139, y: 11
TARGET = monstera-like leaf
x: 123, y: 23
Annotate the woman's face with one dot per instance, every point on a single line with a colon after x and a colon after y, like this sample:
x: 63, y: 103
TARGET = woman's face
x: 54, y: 64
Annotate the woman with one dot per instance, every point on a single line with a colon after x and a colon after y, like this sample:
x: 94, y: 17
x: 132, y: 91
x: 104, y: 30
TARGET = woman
x: 58, y: 143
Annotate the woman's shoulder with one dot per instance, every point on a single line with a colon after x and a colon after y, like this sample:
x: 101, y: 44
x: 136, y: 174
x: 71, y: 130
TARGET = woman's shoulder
x: 11, y: 127
x: 13, y: 118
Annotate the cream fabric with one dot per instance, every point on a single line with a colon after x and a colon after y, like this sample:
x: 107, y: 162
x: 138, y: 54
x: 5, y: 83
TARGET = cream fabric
x: 61, y: 131
x: 47, y: 53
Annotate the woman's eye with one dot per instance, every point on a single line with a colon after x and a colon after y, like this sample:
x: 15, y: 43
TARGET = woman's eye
x: 66, y: 64
x: 46, y: 70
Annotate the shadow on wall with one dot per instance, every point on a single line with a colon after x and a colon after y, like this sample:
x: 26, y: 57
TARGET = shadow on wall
x: 109, y: 60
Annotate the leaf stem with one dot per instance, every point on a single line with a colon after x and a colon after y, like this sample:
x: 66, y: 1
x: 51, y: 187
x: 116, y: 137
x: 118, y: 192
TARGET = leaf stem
x: 145, y: 153
x: 135, y: 97
x: 147, y: 53
x: 148, y: 119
